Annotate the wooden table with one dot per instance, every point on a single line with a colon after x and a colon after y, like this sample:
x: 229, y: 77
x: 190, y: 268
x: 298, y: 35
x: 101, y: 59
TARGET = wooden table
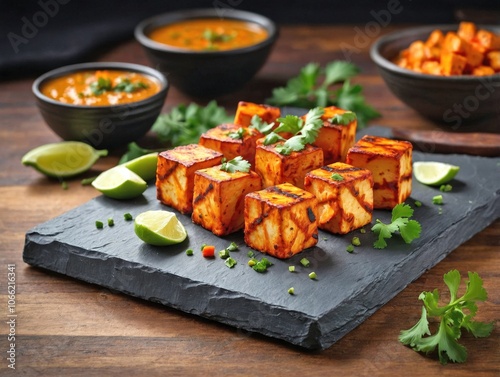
x: 67, y: 327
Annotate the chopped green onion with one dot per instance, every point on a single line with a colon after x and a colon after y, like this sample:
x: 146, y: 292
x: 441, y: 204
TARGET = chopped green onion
x: 291, y: 268
x: 189, y: 252
x: 230, y: 262
x: 127, y: 216
x: 438, y: 199
x: 305, y: 262
x: 64, y: 185
x: 312, y: 275
x: 88, y: 181
x: 111, y: 222
x: 418, y: 203
x: 337, y: 177
x: 349, y: 248
x: 224, y: 254
x: 355, y: 241
x: 202, y: 246
x: 250, y: 254
x: 362, y: 230
x: 262, y: 265
x: 99, y: 224
x: 232, y: 247
x: 291, y: 291
x: 252, y: 262
x: 446, y: 188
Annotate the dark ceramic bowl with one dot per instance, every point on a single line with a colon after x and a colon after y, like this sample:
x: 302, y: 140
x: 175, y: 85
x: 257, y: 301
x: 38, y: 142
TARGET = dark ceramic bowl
x: 101, y: 126
x: 207, y: 74
x: 454, y: 102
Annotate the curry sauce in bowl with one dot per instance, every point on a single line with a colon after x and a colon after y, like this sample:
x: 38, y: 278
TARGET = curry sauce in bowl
x: 206, y: 53
x: 104, y: 104
x: 100, y: 87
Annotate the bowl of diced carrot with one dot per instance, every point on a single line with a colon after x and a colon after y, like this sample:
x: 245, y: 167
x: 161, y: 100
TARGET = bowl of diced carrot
x: 448, y: 73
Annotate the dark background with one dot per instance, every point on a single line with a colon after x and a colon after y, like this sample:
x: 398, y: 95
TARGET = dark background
x: 73, y: 31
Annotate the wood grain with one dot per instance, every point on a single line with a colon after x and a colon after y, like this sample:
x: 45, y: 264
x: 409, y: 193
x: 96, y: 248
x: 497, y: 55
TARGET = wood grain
x: 67, y: 327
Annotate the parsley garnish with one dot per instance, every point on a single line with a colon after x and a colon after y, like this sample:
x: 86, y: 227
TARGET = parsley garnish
x: 343, y: 119
x: 408, y: 229
x: 457, y: 314
x: 305, y: 131
x: 316, y: 86
x: 185, y: 124
x: 236, y: 164
x: 238, y: 134
x: 258, y: 124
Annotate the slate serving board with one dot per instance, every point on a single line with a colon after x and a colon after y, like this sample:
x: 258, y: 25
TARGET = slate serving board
x: 349, y: 287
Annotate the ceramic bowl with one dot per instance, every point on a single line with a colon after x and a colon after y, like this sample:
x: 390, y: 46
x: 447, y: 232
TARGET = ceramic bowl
x: 453, y: 102
x: 207, y: 74
x: 104, y: 127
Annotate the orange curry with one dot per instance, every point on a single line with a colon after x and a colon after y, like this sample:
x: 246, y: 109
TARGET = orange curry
x: 205, y: 34
x: 101, y: 88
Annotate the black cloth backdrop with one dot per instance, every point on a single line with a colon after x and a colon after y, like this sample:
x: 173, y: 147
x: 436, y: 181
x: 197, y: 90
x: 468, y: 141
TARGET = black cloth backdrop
x: 38, y: 35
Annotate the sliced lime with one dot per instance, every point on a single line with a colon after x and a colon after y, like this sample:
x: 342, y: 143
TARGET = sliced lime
x: 144, y: 166
x: 434, y: 173
x: 120, y: 183
x: 64, y: 159
x: 159, y: 228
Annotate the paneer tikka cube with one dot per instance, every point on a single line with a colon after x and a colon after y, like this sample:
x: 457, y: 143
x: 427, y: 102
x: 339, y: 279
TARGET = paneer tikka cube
x: 246, y: 110
x: 219, y: 198
x: 281, y: 220
x: 175, y: 174
x: 390, y: 162
x: 345, y: 196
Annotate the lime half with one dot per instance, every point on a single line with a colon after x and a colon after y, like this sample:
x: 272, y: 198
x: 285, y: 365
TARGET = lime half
x: 120, y: 183
x: 144, y: 166
x: 63, y: 159
x: 159, y: 228
x: 434, y: 173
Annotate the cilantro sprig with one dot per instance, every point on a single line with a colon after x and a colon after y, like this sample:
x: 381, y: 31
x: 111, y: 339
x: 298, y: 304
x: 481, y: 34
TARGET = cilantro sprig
x: 258, y: 124
x: 305, y: 131
x: 400, y: 221
x: 185, y: 124
x: 236, y: 164
x: 317, y: 86
x: 458, y: 314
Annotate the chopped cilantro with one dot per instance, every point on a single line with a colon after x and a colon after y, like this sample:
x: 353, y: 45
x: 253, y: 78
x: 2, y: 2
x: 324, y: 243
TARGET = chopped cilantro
x: 236, y: 164
x: 230, y: 262
x: 258, y: 124
x: 238, y: 134
x: 343, y: 119
x: 337, y: 177
x: 438, y: 199
x: 99, y: 224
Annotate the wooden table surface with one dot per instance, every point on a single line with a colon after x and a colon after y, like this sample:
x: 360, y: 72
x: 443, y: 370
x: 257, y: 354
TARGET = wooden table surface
x: 67, y: 327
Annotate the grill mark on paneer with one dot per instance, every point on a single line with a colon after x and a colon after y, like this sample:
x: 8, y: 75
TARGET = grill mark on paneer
x: 310, y: 215
x: 204, y: 194
x: 277, y: 190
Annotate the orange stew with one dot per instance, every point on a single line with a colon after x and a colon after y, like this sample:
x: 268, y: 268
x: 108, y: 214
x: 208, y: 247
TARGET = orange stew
x: 101, y: 88
x: 209, y: 34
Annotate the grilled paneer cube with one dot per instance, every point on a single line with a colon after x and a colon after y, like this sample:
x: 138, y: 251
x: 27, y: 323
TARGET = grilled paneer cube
x: 175, y: 174
x: 246, y: 110
x: 232, y: 140
x: 219, y: 198
x: 275, y: 168
x: 390, y: 162
x: 345, y: 196
x: 281, y: 220
x: 335, y: 139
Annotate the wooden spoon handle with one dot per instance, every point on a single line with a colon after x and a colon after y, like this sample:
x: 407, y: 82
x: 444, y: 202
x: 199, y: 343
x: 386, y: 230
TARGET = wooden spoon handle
x: 473, y: 143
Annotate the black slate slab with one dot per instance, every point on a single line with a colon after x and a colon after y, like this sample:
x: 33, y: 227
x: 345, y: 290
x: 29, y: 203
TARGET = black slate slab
x: 349, y: 287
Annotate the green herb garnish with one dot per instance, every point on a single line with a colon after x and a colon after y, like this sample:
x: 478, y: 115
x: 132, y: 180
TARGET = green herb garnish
x: 260, y: 265
x: 238, y: 134
x: 111, y: 222
x: 232, y: 246
x: 312, y: 275
x: 258, y: 124
x: 236, y: 164
x: 355, y: 241
x: 127, y: 216
x: 343, y: 119
x: 291, y: 291
x: 224, y: 254
x: 291, y: 268
x: 317, y: 86
x: 438, y: 199
x: 458, y: 314
x: 446, y: 188
x: 213, y: 36
x: 230, y: 262
x: 189, y: 252
x: 337, y: 177
x: 350, y: 248
x: 99, y: 224
x: 305, y: 262
x: 408, y: 229
x: 125, y: 85
x: 100, y: 86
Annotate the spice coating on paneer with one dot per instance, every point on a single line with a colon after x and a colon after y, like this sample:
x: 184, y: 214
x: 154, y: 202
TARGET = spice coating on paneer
x: 232, y: 140
x: 390, y: 162
x: 335, y: 139
x: 219, y: 198
x: 275, y: 168
x: 281, y: 220
x: 246, y: 110
x: 345, y: 196
x: 175, y: 174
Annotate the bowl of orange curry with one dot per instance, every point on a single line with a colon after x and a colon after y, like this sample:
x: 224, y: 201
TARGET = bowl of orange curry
x: 448, y: 73
x: 208, y: 52
x: 104, y: 104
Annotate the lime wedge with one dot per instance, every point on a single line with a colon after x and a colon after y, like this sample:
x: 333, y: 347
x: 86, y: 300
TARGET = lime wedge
x: 434, y: 173
x: 144, y: 166
x: 64, y: 159
x: 159, y: 228
x: 120, y: 183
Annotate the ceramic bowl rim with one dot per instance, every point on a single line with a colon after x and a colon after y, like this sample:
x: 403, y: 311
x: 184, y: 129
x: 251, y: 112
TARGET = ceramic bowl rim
x: 170, y: 17
x: 142, y: 69
x: 383, y: 62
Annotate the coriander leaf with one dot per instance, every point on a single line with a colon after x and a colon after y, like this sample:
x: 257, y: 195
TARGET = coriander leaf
x: 475, y: 290
x: 408, y: 229
x: 238, y: 134
x: 339, y: 71
x: 452, y: 280
x: 134, y: 151
x: 343, y: 119
x: 236, y: 164
x: 272, y: 138
x: 289, y: 123
x: 414, y: 334
x: 258, y: 124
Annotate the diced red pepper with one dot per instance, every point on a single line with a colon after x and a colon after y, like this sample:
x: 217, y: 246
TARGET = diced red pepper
x: 208, y: 251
